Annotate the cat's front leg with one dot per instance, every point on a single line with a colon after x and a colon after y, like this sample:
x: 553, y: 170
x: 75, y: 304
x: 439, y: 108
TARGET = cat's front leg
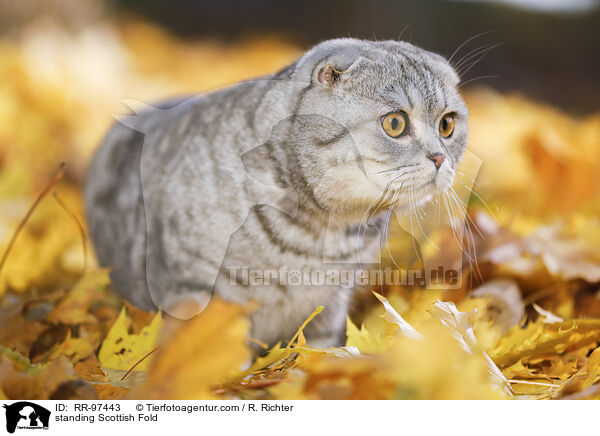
x: 328, y: 329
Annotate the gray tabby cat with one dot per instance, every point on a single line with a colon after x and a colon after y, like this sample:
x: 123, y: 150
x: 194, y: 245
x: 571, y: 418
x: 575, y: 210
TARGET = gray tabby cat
x: 275, y: 174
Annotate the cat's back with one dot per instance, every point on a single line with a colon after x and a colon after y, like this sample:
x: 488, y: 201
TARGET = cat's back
x: 141, y: 145
x: 158, y: 157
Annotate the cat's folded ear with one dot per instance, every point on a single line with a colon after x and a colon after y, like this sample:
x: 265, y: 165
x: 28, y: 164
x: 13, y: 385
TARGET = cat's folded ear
x: 337, y: 69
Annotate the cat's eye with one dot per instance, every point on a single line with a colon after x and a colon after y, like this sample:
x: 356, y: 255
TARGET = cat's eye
x: 394, y: 124
x: 447, y: 125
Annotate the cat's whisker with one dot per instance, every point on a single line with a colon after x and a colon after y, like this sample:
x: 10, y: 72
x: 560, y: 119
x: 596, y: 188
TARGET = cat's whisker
x: 458, y: 236
x: 470, y: 178
x: 364, y: 223
x: 386, y: 235
x: 476, y: 57
x: 423, y: 233
x: 396, y: 168
x: 466, y: 180
x: 469, y: 55
x: 476, y: 261
x: 404, y: 30
x: 485, y: 203
x: 464, y: 208
x: 460, y: 85
x: 474, y: 264
x: 453, y: 218
x: 479, y: 35
x: 453, y: 226
x: 410, y: 202
x: 474, y: 54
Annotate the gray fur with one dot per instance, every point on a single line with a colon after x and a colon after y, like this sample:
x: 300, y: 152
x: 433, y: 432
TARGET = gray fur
x: 271, y: 173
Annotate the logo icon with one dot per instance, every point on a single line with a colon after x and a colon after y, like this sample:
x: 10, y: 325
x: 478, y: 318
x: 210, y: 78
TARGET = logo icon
x: 26, y: 415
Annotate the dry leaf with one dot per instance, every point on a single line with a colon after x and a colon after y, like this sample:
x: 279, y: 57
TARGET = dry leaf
x: 75, y: 349
x: 460, y: 326
x: 539, y: 338
x: 74, y: 308
x: 207, y: 350
x: 394, y: 317
x: 122, y: 350
x: 20, y: 380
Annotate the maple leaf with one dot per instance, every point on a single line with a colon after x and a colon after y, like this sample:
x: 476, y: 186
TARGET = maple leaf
x: 122, y: 350
x: 362, y: 339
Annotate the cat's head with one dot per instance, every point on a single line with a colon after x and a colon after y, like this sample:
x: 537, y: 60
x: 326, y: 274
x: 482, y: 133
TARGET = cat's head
x: 389, y: 117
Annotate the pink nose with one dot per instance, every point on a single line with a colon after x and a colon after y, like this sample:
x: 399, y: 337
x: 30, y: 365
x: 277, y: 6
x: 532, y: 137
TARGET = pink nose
x: 437, y: 159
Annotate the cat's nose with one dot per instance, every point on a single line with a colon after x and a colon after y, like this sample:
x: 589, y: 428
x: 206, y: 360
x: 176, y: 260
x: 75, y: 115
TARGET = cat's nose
x: 437, y: 159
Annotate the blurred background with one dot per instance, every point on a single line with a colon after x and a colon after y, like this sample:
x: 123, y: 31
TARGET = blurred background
x: 547, y: 45
x: 530, y: 71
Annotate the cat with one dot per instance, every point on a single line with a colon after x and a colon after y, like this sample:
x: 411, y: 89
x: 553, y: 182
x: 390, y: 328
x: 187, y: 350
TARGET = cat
x: 275, y: 174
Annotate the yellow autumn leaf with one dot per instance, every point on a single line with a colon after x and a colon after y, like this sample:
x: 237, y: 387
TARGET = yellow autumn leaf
x: 74, y: 308
x: 460, y: 327
x: 363, y: 339
x: 207, y: 350
x: 121, y: 350
x: 540, y: 338
x: 393, y: 317
x: 75, y: 349
x: 278, y: 354
x: 37, y: 254
x: 593, y: 366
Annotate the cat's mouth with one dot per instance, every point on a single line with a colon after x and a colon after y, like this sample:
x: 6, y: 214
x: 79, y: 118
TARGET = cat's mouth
x: 439, y: 181
x: 414, y: 189
x: 420, y: 190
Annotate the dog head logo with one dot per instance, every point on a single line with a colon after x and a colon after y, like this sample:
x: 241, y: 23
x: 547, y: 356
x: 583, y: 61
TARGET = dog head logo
x: 26, y: 415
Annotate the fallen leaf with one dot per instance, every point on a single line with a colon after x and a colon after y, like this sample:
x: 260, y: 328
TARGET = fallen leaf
x: 394, y: 317
x: 207, y: 350
x: 460, y: 326
x: 75, y: 349
x: 90, y: 370
x: 546, y: 316
x: 74, y: 308
x: 20, y: 380
x: 16, y: 332
x: 122, y: 350
x: 539, y: 338
x: 109, y: 392
x: 364, y: 341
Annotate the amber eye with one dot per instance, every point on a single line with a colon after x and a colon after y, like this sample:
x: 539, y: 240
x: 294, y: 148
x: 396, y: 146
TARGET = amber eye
x: 394, y: 124
x: 447, y: 125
